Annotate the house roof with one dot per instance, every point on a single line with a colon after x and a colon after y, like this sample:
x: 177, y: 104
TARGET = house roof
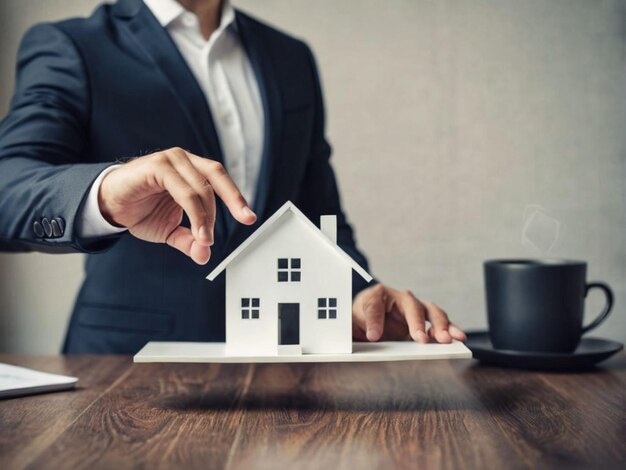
x: 289, y: 206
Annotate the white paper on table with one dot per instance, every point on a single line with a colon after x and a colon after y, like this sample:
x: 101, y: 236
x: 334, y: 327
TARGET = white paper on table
x: 18, y: 381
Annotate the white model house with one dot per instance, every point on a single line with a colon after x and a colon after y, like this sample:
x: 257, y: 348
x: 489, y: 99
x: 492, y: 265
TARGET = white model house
x: 289, y: 289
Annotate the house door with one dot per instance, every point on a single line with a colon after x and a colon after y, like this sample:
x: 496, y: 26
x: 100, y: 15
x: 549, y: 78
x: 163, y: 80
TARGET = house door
x: 288, y: 323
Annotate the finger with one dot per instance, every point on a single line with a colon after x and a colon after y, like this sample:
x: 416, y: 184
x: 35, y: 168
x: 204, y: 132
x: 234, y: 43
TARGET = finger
x: 358, y: 317
x: 431, y: 333
x: 374, y: 312
x: 183, y: 240
x: 457, y: 333
x: 225, y: 188
x: 187, y: 198
x: 358, y: 322
x: 182, y: 164
x: 415, y: 316
x: 440, y: 323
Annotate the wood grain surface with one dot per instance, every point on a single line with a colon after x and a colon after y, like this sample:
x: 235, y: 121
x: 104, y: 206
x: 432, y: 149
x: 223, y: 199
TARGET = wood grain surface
x: 433, y: 414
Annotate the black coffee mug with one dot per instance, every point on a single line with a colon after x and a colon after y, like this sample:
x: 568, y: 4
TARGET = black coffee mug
x: 538, y: 305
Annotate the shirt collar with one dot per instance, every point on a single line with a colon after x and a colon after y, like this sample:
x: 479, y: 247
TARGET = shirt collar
x: 166, y: 11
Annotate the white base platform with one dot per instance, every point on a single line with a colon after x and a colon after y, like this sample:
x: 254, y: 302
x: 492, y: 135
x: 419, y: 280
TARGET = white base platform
x: 156, y: 351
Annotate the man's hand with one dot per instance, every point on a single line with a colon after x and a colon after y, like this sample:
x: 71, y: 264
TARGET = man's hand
x: 149, y: 194
x: 382, y: 313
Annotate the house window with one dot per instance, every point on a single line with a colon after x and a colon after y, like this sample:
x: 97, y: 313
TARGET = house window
x: 250, y: 308
x: 327, y: 308
x: 289, y: 269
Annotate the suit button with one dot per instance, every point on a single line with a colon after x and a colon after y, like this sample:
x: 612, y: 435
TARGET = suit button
x: 56, y: 231
x: 38, y: 229
x: 61, y: 223
x: 46, y: 227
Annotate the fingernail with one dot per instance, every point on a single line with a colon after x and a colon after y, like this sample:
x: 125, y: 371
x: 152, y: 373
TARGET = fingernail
x: 248, y: 212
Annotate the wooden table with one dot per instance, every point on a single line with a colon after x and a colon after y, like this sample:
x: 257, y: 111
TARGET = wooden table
x: 447, y: 414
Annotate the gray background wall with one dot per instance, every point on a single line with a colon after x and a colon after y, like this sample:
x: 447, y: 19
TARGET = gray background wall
x: 462, y: 130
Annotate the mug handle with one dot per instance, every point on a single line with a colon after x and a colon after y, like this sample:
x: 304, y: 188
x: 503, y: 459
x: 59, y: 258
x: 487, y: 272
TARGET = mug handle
x: 607, y: 308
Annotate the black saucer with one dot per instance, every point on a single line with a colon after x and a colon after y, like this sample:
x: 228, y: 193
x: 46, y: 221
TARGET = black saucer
x: 590, y: 351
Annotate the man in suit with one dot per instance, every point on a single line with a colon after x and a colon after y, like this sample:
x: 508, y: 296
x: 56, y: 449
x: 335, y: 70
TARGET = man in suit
x: 224, y: 115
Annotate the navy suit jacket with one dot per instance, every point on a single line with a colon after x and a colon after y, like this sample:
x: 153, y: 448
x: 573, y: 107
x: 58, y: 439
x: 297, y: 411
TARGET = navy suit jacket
x: 113, y: 86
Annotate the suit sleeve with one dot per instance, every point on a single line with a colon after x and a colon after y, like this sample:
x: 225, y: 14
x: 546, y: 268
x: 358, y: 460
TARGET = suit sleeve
x: 320, y: 194
x: 43, y: 140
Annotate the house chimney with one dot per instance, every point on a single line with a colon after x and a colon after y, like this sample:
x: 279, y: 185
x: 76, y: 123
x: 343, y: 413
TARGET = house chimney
x: 328, y: 226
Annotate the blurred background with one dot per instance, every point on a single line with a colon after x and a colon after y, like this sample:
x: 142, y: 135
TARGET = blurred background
x: 462, y: 130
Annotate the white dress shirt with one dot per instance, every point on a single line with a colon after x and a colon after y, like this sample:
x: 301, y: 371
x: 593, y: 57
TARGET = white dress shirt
x: 225, y: 75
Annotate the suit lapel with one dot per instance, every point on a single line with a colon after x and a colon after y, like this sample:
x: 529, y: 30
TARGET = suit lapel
x: 261, y: 62
x: 152, y: 38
